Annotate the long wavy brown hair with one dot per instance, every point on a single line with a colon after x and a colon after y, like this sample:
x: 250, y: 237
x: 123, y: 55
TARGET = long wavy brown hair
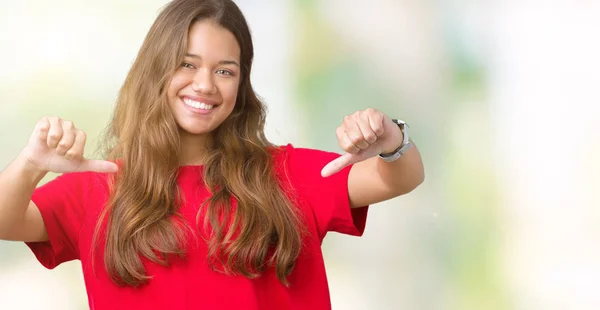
x: 142, y: 213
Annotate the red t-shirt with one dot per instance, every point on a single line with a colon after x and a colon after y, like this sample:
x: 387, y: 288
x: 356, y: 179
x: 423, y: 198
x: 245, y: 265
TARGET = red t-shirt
x: 71, y: 204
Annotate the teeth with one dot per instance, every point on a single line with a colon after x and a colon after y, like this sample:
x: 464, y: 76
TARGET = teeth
x: 197, y: 105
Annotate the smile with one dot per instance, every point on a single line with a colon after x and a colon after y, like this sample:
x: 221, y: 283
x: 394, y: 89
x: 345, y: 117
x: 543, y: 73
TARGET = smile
x: 197, y: 105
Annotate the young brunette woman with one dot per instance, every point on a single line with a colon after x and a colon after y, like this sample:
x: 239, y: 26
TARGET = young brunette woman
x: 193, y: 207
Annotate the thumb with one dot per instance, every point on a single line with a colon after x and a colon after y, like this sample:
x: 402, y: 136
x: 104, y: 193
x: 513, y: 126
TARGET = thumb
x: 98, y: 166
x: 339, y: 163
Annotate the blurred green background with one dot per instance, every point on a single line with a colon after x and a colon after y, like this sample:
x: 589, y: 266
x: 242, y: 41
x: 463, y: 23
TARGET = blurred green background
x: 502, y: 102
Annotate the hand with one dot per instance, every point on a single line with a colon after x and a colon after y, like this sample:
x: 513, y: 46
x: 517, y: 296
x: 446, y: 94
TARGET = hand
x: 363, y: 135
x: 57, y: 146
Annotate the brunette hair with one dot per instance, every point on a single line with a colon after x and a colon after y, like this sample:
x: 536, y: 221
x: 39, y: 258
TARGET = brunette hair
x: 264, y: 229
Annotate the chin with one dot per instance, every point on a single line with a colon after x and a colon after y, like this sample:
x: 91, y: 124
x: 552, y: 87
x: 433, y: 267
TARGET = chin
x: 195, y: 131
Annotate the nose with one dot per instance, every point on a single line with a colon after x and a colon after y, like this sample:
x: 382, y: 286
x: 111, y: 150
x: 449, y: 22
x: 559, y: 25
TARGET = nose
x: 203, y: 82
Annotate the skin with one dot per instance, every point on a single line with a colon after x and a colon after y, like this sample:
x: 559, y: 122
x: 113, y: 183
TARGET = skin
x: 210, y: 74
x: 364, y: 135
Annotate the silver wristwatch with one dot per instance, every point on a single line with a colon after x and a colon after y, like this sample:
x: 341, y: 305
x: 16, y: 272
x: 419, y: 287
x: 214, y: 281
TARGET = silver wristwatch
x: 390, y: 157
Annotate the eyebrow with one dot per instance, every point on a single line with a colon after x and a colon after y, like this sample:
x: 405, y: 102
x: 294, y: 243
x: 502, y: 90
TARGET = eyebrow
x: 222, y: 62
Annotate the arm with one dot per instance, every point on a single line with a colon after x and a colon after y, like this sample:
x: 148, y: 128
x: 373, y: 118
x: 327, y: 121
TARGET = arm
x: 364, y: 135
x: 374, y: 180
x: 54, y: 146
x: 20, y: 218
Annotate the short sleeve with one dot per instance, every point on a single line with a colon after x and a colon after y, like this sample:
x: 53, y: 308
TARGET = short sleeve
x: 327, y: 197
x: 61, y: 203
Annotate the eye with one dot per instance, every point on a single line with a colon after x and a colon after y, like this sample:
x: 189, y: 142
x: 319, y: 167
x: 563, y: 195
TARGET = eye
x: 187, y: 65
x: 225, y: 72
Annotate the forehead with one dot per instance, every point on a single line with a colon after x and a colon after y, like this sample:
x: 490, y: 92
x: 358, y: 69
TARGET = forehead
x: 211, y: 41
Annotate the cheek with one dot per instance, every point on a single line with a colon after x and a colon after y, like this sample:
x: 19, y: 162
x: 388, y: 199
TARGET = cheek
x: 230, y: 92
x: 175, y: 86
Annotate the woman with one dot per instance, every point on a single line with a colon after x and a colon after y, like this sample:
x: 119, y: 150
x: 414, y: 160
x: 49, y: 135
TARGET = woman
x: 194, y: 208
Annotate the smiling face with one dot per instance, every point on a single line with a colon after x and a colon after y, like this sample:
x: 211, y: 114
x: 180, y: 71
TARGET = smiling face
x: 203, y: 90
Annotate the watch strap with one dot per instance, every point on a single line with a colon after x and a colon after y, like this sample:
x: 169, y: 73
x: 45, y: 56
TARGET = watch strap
x: 405, y: 146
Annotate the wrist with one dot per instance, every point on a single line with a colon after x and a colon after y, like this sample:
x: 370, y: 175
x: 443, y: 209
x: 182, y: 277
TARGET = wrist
x: 399, y: 141
x: 28, y: 170
x: 403, y: 142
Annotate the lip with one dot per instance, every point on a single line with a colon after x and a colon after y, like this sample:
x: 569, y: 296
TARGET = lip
x: 199, y: 99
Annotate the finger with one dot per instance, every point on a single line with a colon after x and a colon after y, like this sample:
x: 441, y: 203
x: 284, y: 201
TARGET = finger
x: 337, y: 165
x: 55, y: 133
x: 376, y: 122
x: 355, y: 136
x: 342, y: 162
x: 366, y: 129
x: 101, y: 166
x: 41, y: 128
x: 78, y: 146
x: 349, y: 136
x: 346, y: 144
x: 68, y: 138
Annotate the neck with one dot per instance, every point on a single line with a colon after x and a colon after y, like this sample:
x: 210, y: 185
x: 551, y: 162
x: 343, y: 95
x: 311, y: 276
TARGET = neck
x: 193, y: 148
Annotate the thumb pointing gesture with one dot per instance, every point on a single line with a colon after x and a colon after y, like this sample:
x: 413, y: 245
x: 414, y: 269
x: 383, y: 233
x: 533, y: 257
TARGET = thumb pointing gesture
x: 57, y: 146
x: 363, y: 135
x: 344, y: 161
x: 101, y: 166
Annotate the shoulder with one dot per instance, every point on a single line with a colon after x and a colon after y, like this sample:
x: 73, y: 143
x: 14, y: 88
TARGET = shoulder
x: 72, y: 197
x: 300, y: 159
x: 84, y: 179
x: 76, y: 185
x: 301, y: 167
x: 326, y: 199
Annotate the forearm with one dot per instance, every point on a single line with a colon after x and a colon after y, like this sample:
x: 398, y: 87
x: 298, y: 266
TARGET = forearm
x: 365, y: 134
x: 17, y: 183
x: 374, y: 180
x: 403, y: 175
